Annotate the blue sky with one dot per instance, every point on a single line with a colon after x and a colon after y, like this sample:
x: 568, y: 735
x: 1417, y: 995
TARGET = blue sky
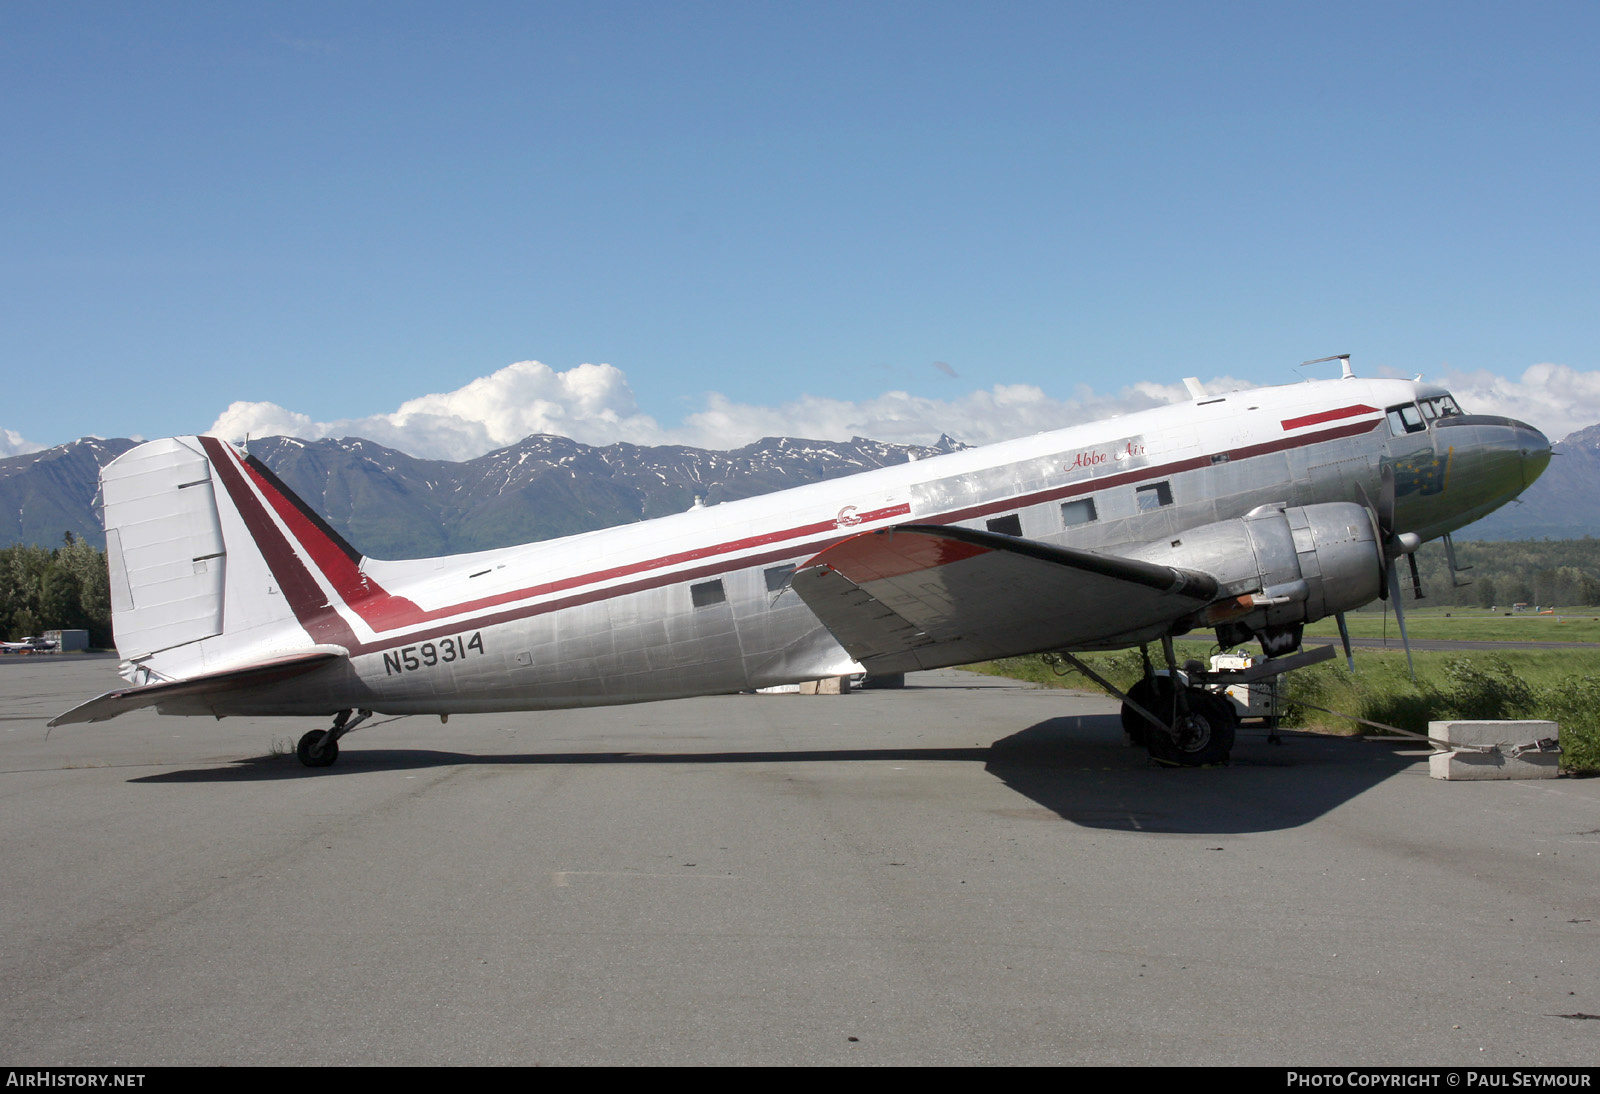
x: 333, y: 208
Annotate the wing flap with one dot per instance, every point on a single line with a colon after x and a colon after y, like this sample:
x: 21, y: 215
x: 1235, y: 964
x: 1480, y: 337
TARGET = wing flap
x: 260, y: 673
x: 926, y: 596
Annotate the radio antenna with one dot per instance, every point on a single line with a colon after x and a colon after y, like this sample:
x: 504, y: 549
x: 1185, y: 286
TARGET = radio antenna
x: 1344, y: 364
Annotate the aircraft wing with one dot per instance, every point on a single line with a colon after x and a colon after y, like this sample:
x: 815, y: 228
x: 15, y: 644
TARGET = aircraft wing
x: 271, y: 671
x: 926, y: 596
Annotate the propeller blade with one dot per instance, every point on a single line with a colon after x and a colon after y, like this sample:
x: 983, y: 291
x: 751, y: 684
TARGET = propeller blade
x: 1386, y: 504
x: 1366, y: 500
x: 1400, y: 616
x: 1381, y: 540
x: 1344, y: 636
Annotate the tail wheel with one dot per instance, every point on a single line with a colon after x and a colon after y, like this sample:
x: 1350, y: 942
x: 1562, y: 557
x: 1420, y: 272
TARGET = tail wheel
x: 318, y: 749
x: 1203, y: 736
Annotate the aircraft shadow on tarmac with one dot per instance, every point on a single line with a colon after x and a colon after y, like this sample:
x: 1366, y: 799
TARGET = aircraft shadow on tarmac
x: 1081, y: 769
x: 1078, y: 768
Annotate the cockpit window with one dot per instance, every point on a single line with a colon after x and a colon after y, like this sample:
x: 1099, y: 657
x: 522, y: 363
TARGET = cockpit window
x: 1406, y: 419
x: 1442, y: 407
x: 1416, y: 417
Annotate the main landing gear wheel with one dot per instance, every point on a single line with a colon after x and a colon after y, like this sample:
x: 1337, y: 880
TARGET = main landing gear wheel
x: 318, y: 748
x: 1155, y: 694
x: 1203, y: 736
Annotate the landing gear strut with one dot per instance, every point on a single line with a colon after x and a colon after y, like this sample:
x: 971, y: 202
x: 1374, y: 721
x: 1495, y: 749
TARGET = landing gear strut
x: 320, y: 747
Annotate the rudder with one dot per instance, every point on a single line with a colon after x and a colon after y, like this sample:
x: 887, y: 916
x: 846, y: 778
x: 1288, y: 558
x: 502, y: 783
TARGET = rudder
x: 164, y: 547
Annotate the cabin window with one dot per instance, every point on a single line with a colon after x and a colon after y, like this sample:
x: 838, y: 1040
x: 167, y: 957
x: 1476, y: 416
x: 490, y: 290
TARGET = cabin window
x: 1008, y: 525
x: 707, y: 593
x: 1080, y: 511
x: 1406, y: 419
x: 1154, y: 496
x: 778, y: 577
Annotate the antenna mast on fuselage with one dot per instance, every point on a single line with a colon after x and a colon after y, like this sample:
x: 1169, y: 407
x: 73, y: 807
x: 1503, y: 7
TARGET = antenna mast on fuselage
x: 1344, y: 364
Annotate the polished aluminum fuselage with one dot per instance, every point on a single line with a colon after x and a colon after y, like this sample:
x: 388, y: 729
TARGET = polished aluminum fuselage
x: 698, y: 603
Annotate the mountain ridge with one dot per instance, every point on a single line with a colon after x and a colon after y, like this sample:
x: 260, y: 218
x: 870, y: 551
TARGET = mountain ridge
x: 393, y: 505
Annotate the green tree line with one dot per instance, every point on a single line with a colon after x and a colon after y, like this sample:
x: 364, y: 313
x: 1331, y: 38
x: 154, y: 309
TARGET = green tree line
x: 1564, y: 572
x: 67, y: 588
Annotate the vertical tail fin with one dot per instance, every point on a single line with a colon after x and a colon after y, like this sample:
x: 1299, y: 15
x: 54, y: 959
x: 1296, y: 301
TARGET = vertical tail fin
x: 212, y: 559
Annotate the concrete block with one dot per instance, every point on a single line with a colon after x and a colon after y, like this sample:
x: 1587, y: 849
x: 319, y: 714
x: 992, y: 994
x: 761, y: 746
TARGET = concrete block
x: 1494, y: 765
x: 832, y: 685
x: 1505, y: 735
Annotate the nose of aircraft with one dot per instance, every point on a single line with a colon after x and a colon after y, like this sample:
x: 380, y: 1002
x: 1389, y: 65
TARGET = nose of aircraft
x: 1535, y: 449
x: 1498, y: 458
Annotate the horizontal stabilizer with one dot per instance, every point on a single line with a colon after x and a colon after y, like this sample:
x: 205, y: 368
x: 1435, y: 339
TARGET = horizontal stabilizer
x: 272, y: 671
x: 927, y: 596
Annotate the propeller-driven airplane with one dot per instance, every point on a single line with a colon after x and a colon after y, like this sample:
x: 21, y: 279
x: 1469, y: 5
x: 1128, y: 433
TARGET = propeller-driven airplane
x: 1251, y: 513
x: 31, y: 644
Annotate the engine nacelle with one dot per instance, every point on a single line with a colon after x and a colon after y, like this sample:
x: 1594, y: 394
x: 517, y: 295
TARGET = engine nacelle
x: 1279, y: 567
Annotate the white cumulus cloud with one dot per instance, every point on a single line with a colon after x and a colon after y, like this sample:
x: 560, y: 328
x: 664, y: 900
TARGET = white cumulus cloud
x: 596, y: 404
x: 1555, y: 398
x: 13, y: 443
x: 590, y: 403
x: 978, y: 417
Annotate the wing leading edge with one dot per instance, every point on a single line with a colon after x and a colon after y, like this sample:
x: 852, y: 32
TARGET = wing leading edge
x: 927, y: 596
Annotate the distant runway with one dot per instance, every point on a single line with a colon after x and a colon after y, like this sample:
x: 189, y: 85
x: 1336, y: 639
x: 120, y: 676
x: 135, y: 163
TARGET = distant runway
x: 1447, y: 645
x: 968, y: 871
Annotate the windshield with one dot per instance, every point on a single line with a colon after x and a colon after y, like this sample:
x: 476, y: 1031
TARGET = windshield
x: 1418, y: 416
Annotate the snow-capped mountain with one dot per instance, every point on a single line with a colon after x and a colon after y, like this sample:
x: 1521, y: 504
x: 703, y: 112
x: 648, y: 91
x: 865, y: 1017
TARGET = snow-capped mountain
x: 391, y: 505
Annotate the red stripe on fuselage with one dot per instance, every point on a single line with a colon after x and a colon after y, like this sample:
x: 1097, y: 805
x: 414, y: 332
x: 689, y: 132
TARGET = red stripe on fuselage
x: 615, y: 572
x: 1328, y: 416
